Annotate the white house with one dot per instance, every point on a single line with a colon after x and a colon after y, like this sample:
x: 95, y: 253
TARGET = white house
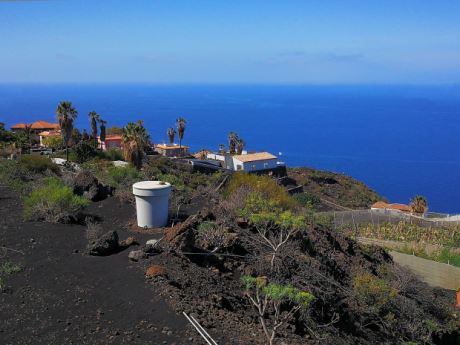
x: 254, y: 161
x: 247, y: 161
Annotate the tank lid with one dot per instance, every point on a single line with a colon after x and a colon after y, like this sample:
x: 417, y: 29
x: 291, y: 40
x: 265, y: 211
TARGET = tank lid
x: 149, y: 185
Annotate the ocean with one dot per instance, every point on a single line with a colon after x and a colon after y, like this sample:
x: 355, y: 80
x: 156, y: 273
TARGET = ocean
x: 399, y: 140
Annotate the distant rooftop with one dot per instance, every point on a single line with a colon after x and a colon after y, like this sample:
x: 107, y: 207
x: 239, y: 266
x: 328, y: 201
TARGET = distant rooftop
x: 37, y: 125
x: 399, y: 207
x: 252, y: 157
x: 170, y: 146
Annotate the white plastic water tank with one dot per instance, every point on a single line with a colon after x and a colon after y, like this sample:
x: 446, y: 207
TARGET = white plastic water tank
x: 152, y: 198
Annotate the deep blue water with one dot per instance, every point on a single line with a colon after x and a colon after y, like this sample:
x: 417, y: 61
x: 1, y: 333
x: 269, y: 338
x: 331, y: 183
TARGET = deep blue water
x: 400, y: 140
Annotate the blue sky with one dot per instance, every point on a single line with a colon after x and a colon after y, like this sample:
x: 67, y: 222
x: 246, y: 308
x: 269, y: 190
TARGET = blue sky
x: 248, y: 41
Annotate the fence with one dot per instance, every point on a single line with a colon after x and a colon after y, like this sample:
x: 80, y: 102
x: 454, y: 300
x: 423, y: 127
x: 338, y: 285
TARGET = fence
x: 377, y: 217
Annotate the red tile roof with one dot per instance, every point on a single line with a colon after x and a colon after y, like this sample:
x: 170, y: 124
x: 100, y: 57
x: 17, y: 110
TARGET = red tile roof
x: 399, y: 207
x: 37, y: 125
x: 19, y: 126
x: 252, y: 157
x: 44, y: 125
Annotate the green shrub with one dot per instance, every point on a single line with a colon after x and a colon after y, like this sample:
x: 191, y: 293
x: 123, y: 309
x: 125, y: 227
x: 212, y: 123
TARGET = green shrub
x: 449, y: 256
x: 263, y: 185
x: 432, y: 325
x: 84, y: 151
x: 207, y: 226
x: 374, y: 292
x: 11, y: 175
x: 122, y: 176
x: 268, y: 298
x: 306, y: 200
x: 7, y: 268
x: 38, y: 164
x: 323, y: 219
x: 54, y: 142
x: 54, y: 203
x: 112, y: 154
x: 177, y: 181
x: 263, y: 212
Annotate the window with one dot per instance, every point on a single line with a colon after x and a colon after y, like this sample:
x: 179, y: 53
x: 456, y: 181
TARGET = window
x: 265, y: 165
x: 253, y: 167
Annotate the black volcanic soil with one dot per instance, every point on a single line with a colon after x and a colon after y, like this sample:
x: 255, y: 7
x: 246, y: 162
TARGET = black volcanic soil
x: 63, y: 296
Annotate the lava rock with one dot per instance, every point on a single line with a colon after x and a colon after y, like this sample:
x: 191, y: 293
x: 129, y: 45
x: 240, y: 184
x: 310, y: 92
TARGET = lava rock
x: 105, y: 245
x: 136, y: 255
x: 151, y: 242
x: 151, y: 247
x: 86, y: 184
x: 130, y: 241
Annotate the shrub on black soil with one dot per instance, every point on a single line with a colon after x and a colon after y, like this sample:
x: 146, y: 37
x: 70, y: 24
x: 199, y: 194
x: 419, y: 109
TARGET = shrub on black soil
x: 38, y: 164
x: 54, y: 202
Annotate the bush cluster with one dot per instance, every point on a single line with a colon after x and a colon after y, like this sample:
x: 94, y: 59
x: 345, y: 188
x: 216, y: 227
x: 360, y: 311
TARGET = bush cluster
x: 306, y: 200
x: 54, y: 202
x: 372, y: 291
x: 266, y: 212
x: 7, y: 268
x: 38, y: 164
x: 83, y: 151
x: 265, y: 186
x: 119, y: 177
x: 278, y: 292
x: 112, y: 154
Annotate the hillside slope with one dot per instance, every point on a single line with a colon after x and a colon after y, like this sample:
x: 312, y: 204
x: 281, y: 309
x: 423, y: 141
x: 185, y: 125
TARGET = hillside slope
x: 327, y: 188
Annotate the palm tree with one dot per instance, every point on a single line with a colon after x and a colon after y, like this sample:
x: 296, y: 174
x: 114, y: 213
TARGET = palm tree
x: 66, y: 115
x: 134, y: 139
x: 240, y: 146
x: 93, y: 120
x: 180, y: 123
x: 232, y: 141
x: 102, y: 131
x: 419, y: 204
x: 171, y: 133
x: 85, y: 136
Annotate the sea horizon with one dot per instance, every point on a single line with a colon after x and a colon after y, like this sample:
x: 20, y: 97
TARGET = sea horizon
x: 399, y: 139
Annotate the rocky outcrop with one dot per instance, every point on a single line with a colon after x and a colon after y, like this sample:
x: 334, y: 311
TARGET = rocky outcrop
x: 177, y: 235
x: 85, y: 184
x: 106, y: 244
x: 136, y: 255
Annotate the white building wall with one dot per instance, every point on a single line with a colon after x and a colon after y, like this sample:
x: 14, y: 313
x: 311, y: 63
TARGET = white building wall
x: 255, y: 166
x: 215, y: 156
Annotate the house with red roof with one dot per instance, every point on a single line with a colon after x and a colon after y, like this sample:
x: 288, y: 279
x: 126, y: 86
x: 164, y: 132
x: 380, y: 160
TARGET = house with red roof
x: 37, y: 126
x: 380, y: 205
x: 112, y: 141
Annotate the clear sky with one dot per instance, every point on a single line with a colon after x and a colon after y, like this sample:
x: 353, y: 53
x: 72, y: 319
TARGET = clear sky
x: 231, y: 41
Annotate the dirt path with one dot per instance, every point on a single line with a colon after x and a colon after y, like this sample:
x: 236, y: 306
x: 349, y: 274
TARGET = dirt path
x: 65, y: 297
